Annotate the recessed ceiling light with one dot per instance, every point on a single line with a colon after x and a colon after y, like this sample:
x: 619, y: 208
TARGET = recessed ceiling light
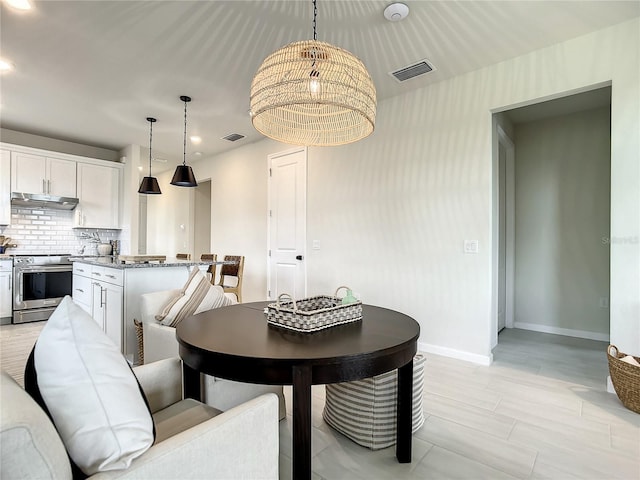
x: 6, y: 65
x: 195, y: 139
x: 197, y: 154
x: 140, y: 168
x: 19, y: 4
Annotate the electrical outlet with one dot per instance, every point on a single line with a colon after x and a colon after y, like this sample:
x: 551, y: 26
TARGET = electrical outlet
x: 471, y: 246
x: 315, y: 245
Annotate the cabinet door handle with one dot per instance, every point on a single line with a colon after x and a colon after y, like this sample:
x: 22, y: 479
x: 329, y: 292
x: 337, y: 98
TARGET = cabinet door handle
x: 48, y: 186
x: 96, y: 273
x: 112, y: 276
x: 44, y: 186
x: 79, y: 290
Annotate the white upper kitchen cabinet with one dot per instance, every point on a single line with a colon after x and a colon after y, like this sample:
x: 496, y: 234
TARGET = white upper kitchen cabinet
x: 39, y: 174
x: 99, y: 195
x: 5, y: 187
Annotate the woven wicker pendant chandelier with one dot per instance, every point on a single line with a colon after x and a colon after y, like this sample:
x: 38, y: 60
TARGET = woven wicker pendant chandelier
x: 313, y: 93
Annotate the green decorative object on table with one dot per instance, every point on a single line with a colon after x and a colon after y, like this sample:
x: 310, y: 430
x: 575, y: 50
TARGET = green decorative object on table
x: 348, y: 298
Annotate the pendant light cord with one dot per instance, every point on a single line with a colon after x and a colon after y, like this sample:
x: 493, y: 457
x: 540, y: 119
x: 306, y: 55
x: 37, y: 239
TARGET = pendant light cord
x: 315, y: 15
x: 150, y: 137
x: 184, y: 146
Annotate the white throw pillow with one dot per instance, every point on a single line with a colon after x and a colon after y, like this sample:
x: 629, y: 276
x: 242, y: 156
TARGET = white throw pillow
x: 197, y: 295
x: 91, y: 392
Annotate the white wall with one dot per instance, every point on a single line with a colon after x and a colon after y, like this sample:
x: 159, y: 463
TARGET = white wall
x: 238, y: 212
x: 202, y: 216
x: 170, y: 219
x: 562, y: 176
x: 391, y: 212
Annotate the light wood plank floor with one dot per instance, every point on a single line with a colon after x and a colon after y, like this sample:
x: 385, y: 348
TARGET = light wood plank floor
x: 541, y: 411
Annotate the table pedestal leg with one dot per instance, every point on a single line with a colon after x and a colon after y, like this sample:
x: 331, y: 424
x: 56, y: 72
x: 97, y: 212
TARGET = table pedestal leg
x: 191, y: 383
x: 404, y: 413
x: 302, y: 422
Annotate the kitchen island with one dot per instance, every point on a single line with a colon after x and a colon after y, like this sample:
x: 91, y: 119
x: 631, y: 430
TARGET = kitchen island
x: 110, y: 290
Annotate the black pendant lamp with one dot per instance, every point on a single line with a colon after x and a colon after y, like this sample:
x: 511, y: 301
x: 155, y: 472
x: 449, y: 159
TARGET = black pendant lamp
x: 149, y: 185
x: 183, y: 176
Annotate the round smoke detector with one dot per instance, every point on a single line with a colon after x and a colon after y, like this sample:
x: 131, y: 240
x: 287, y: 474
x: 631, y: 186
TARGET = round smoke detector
x: 396, y: 12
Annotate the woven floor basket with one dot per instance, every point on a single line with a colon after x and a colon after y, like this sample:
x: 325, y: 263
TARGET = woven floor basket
x: 313, y: 313
x: 140, y: 338
x: 625, y: 378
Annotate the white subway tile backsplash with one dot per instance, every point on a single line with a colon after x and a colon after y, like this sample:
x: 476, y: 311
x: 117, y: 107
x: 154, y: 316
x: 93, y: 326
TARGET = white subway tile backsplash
x: 48, y: 231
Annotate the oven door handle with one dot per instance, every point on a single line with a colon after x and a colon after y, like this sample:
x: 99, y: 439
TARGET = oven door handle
x: 44, y: 268
x: 20, y: 286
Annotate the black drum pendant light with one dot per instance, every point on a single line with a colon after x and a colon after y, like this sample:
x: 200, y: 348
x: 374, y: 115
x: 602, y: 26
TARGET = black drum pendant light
x: 183, y: 176
x: 149, y: 185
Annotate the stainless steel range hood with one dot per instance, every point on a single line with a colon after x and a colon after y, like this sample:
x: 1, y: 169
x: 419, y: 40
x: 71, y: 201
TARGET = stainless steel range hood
x: 39, y: 200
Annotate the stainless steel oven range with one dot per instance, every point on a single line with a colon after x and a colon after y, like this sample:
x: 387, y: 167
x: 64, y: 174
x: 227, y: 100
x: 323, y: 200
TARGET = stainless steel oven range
x: 40, y: 282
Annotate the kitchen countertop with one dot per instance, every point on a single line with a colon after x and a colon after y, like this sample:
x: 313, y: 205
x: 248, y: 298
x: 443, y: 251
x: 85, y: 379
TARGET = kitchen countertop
x: 113, y: 262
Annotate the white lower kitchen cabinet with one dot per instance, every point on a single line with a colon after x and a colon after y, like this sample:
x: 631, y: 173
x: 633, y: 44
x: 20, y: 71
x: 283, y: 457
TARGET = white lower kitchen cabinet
x: 111, y: 294
x: 107, y: 309
x: 6, y: 299
x: 107, y: 294
x: 99, y: 291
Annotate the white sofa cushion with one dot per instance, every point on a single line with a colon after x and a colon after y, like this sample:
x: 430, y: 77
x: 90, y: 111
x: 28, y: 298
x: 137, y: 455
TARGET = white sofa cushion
x: 30, y: 445
x: 198, y: 295
x: 90, y: 391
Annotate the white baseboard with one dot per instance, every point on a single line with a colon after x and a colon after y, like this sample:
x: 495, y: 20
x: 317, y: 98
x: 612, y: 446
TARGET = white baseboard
x: 610, y: 387
x: 603, y: 337
x: 459, y: 354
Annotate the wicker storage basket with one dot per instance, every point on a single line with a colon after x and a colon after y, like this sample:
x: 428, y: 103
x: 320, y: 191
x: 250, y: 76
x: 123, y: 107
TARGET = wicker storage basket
x: 625, y: 378
x: 139, y: 335
x: 313, y: 313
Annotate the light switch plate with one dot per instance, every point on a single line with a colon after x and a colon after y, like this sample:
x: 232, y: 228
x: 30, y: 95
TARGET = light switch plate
x: 471, y: 246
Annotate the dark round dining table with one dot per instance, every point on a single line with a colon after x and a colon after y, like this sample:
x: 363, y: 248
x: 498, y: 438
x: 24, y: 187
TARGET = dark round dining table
x: 237, y: 343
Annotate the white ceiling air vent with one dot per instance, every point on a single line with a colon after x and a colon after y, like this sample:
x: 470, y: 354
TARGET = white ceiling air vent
x: 232, y: 137
x: 412, y: 71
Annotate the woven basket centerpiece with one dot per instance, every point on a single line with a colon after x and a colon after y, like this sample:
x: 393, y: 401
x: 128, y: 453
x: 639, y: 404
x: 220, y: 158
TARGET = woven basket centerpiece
x: 313, y: 313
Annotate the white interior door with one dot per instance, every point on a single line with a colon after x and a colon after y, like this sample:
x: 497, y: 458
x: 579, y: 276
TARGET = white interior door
x: 287, y: 223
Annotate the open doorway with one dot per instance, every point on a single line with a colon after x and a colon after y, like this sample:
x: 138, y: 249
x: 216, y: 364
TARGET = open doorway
x: 559, y: 194
x: 202, y: 219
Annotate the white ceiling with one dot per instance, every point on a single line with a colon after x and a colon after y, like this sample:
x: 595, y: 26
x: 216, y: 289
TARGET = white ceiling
x: 92, y: 71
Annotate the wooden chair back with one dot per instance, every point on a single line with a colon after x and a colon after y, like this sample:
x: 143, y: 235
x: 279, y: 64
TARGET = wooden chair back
x: 236, y: 270
x: 210, y: 257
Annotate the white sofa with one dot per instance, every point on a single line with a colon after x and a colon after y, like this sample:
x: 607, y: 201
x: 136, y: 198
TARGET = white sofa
x: 239, y: 443
x: 160, y: 342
